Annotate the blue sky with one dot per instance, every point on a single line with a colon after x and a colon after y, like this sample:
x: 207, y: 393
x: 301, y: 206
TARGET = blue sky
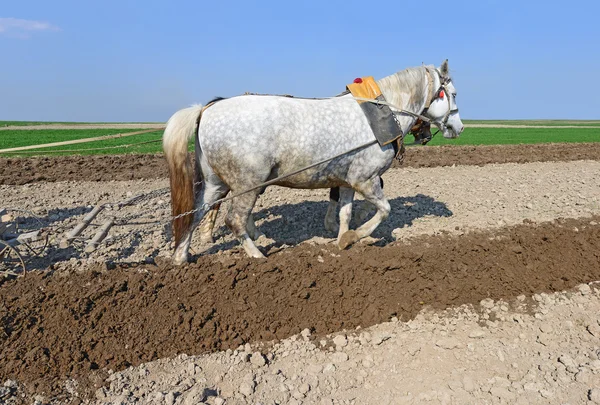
x: 141, y: 61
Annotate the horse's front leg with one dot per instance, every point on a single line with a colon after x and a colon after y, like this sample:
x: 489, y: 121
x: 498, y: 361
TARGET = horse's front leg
x: 334, y: 198
x: 373, y: 193
x: 253, y: 231
x: 363, y: 211
x: 346, y: 197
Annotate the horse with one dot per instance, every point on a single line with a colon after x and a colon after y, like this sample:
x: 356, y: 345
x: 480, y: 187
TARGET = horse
x: 246, y: 141
x: 421, y: 131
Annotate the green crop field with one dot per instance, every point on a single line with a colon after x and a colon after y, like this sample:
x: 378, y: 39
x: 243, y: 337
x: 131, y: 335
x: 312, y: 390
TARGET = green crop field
x: 471, y: 136
x: 31, y: 123
x: 549, y: 123
x: 16, y: 138
x: 506, y: 136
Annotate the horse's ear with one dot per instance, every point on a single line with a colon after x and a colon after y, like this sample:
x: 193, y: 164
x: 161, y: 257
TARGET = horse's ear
x: 444, y: 69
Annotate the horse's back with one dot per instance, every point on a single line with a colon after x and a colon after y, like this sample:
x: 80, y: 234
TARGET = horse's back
x: 272, y: 135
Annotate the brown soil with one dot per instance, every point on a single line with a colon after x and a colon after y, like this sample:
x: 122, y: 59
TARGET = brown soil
x: 129, y: 167
x: 68, y: 323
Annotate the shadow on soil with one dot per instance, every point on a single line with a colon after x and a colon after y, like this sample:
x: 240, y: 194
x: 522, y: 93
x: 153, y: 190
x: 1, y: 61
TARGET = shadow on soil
x: 291, y: 224
x: 287, y: 224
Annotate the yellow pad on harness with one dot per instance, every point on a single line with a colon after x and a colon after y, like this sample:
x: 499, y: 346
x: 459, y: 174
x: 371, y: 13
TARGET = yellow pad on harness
x: 367, y: 89
x: 380, y: 116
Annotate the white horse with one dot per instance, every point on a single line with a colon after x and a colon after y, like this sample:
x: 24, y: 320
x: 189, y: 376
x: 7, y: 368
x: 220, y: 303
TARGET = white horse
x: 245, y: 141
x: 422, y: 134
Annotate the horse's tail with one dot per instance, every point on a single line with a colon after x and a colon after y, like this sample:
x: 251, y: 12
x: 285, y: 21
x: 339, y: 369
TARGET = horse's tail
x: 180, y: 128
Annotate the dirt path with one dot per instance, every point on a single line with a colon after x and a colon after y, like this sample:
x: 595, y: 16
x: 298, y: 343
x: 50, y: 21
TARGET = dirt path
x: 459, y: 242
x: 130, y: 167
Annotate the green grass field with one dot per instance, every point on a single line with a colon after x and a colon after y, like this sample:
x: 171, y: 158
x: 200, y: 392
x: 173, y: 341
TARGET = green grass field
x: 16, y: 138
x: 471, y: 136
x: 511, y: 136
x: 30, y: 123
x: 594, y: 123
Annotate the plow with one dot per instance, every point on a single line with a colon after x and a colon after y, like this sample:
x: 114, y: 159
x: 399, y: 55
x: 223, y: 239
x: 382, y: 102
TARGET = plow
x: 21, y: 238
x: 25, y: 235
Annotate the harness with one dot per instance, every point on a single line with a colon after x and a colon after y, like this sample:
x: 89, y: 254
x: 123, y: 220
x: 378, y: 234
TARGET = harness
x: 381, y: 115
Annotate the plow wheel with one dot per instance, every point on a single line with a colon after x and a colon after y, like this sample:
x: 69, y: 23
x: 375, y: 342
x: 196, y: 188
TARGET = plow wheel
x: 11, y: 261
x: 22, y: 237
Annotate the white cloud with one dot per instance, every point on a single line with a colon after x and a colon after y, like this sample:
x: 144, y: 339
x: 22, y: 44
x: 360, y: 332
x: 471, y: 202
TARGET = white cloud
x: 18, y: 28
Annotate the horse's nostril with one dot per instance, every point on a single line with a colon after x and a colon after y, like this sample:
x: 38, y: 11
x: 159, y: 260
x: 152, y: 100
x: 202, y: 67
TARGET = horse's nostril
x: 462, y: 128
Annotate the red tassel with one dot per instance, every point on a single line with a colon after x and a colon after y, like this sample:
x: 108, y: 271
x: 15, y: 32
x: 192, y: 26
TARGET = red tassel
x: 442, y: 94
x: 358, y: 80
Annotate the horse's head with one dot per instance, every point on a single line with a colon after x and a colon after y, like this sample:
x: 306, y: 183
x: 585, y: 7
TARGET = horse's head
x: 442, y: 110
x: 421, y: 130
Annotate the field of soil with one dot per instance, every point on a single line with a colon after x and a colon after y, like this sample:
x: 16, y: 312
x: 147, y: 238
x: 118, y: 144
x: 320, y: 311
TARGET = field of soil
x: 481, y: 287
x: 141, y: 166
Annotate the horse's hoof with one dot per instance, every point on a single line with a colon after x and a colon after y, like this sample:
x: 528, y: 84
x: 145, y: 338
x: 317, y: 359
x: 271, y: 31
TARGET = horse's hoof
x: 178, y: 261
x: 347, y: 239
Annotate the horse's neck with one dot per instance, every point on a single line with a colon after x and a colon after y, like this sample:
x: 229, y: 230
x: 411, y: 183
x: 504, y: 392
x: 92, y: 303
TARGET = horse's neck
x: 406, y: 91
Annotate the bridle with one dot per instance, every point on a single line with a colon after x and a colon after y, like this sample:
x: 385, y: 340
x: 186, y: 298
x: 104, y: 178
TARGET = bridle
x: 444, y: 82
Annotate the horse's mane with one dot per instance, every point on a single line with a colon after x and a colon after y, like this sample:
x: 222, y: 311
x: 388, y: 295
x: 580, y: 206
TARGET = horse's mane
x: 407, y: 86
x: 214, y: 100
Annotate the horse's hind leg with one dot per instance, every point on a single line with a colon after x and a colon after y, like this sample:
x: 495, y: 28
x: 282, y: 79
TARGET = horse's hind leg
x: 207, y: 224
x: 373, y: 193
x: 213, y: 189
x: 210, y: 193
x: 237, y: 220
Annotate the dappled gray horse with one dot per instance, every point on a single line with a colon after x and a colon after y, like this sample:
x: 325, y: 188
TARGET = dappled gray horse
x: 422, y: 134
x: 246, y: 140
